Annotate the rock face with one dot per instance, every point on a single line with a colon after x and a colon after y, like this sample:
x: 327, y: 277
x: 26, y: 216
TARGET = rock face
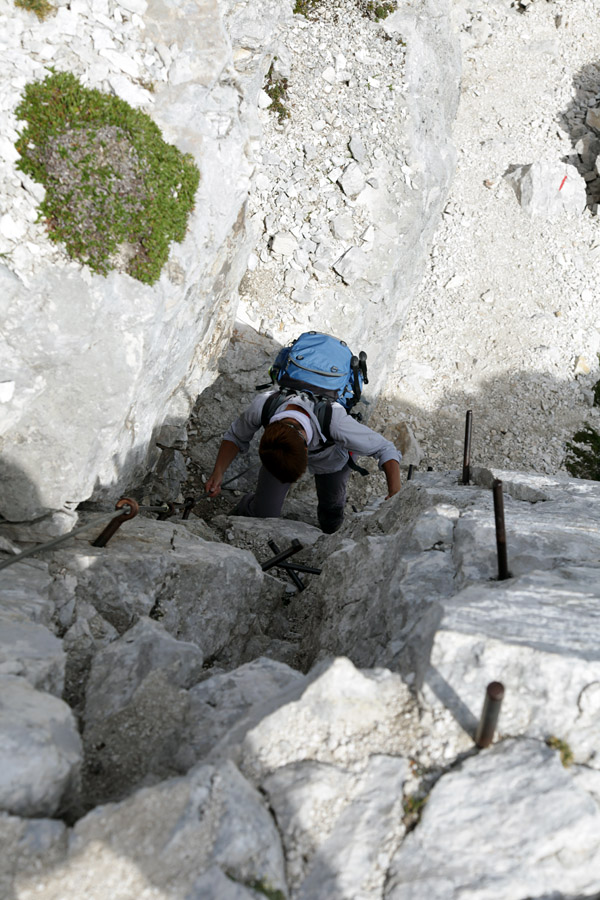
x: 349, y: 187
x: 340, y: 782
x: 517, y: 780
x: 108, y: 361
x: 40, y: 751
x: 217, y: 771
x: 110, y: 365
x: 186, y: 838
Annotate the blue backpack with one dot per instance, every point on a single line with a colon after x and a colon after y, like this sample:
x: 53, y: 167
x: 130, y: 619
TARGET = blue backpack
x: 322, y: 366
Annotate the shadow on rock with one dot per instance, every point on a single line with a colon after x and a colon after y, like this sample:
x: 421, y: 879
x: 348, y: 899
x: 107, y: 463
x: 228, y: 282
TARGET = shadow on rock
x: 581, y: 120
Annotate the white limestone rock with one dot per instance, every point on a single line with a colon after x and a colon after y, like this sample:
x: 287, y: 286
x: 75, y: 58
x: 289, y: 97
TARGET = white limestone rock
x: 31, y: 651
x: 357, y: 149
x: 119, y: 670
x: 339, y: 827
x: 352, y: 266
x: 539, y: 536
x: 232, y: 700
x: 163, y: 841
x: 548, y: 189
x: 40, y: 751
x: 342, y: 228
x: 135, y: 710
x: 284, y: 243
x: 511, y: 822
x: 107, y: 360
x: 352, y: 180
x: 264, y: 101
x: 29, y: 846
x: 538, y: 635
x: 184, y: 581
x: 341, y: 716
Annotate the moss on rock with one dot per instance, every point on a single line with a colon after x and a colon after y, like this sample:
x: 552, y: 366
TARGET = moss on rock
x: 116, y: 193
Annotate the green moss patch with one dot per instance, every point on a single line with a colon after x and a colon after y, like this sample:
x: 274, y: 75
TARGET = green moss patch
x: 41, y: 8
x: 566, y: 754
x: 116, y: 193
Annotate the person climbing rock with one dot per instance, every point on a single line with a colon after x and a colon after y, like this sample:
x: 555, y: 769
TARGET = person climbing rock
x: 293, y: 441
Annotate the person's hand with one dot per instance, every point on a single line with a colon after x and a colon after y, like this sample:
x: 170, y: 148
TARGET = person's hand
x: 391, y: 492
x: 213, y: 485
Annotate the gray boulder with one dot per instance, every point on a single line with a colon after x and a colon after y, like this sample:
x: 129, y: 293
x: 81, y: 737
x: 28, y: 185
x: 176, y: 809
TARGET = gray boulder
x: 29, y: 847
x: 379, y: 598
x: 237, y: 699
x: 339, y: 827
x: 201, y: 591
x: 31, y: 651
x: 135, y: 710
x: 120, y: 669
x: 167, y: 841
x: 511, y: 822
x: 339, y: 715
x: 40, y: 751
x: 548, y: 189
x: 25, y: 590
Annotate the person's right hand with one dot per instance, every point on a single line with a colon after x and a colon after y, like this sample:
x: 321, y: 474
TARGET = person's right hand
x: 213, y: 485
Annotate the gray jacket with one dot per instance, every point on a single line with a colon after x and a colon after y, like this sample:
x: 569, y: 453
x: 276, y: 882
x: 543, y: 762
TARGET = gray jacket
x: 348, y: 434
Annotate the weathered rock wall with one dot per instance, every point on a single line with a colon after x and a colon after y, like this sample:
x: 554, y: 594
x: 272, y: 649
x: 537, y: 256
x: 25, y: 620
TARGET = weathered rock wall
x: 94, y: 366
x: 97, y: 369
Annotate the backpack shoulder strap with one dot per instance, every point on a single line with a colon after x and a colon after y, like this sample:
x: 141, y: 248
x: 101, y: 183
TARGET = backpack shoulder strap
x: 322, y: 410
x: 271, y: 406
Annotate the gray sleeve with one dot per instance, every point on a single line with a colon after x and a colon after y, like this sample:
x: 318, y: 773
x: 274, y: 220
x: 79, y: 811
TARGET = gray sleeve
x: 246, y: 425
x: 361, y: 439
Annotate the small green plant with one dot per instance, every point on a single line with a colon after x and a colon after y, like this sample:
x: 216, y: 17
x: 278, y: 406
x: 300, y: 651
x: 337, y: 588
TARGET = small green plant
x: 372, y: 9
x: 41, y: 8
x: 583, y: 454
x: 379, y: 11
x: 261, y: 886
x: 277, y: 89
x: 306, y: 8
x: 270, y: 893
x: 116, y: 193
x: 413, y: 807
x: 566, y: 754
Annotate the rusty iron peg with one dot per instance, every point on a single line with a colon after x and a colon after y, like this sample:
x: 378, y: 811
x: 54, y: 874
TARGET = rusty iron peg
x: 281, y: 556
x: 503, y: 572
x: 489, y: 715
x: 114, y: 525
x: 188, y: 506
x: 466, y: 472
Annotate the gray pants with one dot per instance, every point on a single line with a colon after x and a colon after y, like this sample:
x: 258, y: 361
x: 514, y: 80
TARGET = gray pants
x: 267, y: 500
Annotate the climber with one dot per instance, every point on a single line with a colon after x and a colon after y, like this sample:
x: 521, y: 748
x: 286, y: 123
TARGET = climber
x: 292, y: 441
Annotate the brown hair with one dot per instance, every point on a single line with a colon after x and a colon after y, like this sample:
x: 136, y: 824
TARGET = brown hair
x: 283, y: 452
